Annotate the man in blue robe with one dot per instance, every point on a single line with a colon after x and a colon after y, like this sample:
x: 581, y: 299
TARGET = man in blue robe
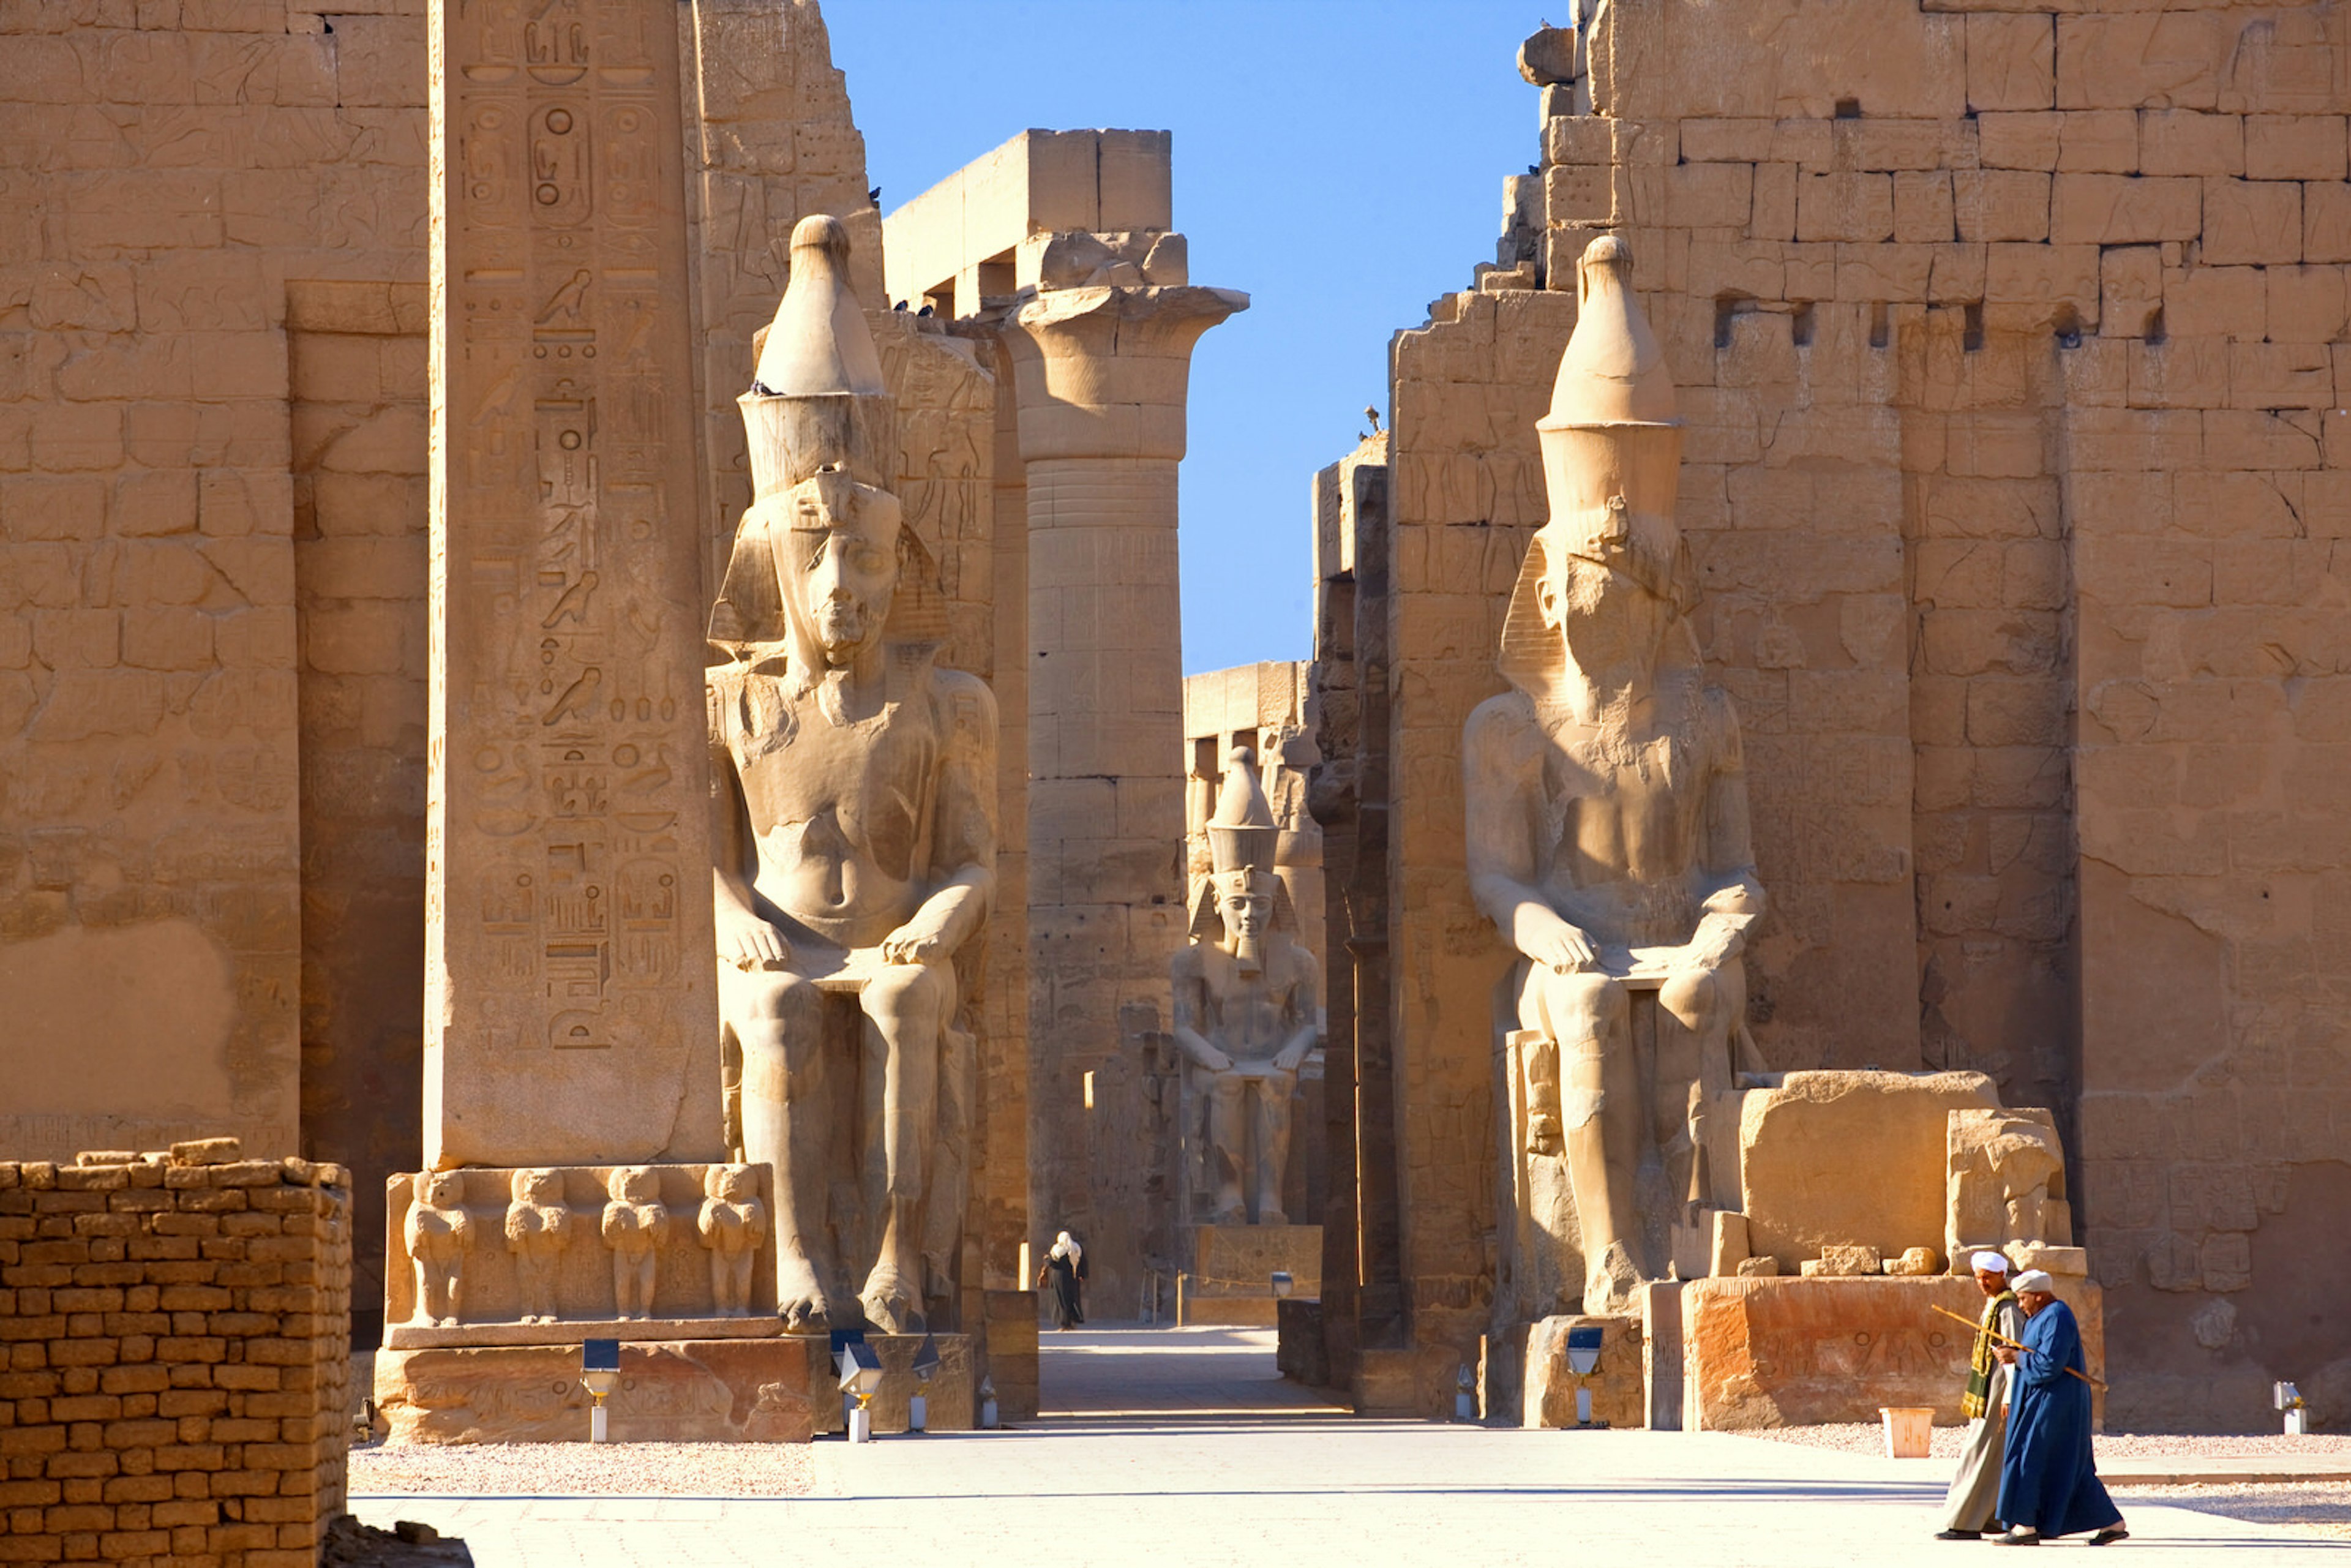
x: 2048, y: 1483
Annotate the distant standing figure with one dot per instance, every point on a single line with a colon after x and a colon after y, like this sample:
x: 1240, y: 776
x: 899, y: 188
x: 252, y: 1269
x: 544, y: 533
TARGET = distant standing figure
x: 2048, y: 1481
x: 1967, y: 1510
x: 1065, y: 1266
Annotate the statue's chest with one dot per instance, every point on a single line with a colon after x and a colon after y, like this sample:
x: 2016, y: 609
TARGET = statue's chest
x: 1244, y: 1009
x: 1629, y: 802
x: 875, y: 770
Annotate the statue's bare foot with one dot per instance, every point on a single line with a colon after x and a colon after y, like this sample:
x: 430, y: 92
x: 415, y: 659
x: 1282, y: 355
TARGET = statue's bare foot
x: 890, y: 1304
x: 1272, y: 1217
x: 800, y: 1300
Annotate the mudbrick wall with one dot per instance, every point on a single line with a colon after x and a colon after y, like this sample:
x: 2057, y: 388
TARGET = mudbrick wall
x: 177, y: 1337
x: 2011, y: 340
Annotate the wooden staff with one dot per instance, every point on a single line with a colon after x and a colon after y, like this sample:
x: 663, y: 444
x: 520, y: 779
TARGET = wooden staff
x: 2013, y: 1344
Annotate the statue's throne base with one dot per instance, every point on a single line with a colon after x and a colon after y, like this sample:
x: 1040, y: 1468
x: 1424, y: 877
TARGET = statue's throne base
x: 689, y: 1373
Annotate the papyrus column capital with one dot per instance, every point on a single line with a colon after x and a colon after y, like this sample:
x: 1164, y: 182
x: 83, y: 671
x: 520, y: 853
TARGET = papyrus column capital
x: 1103, y: 371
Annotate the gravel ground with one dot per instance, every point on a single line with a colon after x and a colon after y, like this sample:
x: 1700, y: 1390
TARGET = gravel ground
x: 1857, y: 1439
x: 581, y: 1469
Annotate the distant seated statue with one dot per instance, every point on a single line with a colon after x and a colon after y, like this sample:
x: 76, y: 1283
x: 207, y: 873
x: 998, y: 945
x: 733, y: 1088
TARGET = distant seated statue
x: 539, y: 1228
x: 635, y: 1224
x: 854, y: 783
x: 1607, y: 807
x: 1246, y: 1007
x: 733, y: 1223
x: 439, y: 1233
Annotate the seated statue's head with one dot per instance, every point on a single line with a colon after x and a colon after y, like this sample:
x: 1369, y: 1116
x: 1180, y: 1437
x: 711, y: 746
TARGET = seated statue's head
x: 1606, y: 617
x: 840, y: 569
x: 1245, y: 900
x: 1607, y: 585
x: 1242, y: 839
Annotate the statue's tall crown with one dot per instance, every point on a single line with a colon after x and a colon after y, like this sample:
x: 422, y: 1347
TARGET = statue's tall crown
x: 1612, y: 448
x: 1613, y: 372
x: 1242, y: 832
x: 818, y: 399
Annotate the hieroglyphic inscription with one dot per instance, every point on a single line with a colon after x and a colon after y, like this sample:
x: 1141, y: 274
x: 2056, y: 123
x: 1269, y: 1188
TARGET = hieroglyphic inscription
x: 571, y: 1014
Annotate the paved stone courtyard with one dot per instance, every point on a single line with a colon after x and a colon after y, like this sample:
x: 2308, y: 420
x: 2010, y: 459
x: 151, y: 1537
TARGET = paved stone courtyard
x: 1187, y: 1446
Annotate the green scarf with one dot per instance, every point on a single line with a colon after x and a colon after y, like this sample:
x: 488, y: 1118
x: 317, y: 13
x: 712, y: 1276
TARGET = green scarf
x: 1977, y: 1398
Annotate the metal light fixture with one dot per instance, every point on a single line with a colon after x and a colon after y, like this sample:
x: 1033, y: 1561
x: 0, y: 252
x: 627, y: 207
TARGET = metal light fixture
x: 600, y: 1374
x: 987, y: 1417
x: 1283, y: 1284
x: 2288, y: 1398
x: 1583, y: 1360
x: 860, y: 1374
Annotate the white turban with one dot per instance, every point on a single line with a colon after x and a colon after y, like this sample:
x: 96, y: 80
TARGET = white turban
x: 2034, y: 1279
x: 1988, y: 1264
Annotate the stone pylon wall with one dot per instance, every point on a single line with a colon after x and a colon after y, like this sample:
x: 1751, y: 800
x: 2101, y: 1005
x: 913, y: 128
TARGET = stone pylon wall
x: 164, y: 187
x: 2008, y: 341
x: 212, y: 547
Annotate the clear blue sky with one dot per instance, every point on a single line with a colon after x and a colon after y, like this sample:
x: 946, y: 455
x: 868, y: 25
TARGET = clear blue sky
x: 1340, y: 162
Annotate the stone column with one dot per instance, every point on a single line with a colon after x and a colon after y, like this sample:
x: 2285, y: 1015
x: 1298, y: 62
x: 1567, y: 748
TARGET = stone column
x: 569, y: 1008
x: 1100, y: 374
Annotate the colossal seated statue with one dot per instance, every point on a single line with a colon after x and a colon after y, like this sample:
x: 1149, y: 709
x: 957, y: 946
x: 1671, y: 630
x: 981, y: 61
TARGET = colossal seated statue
x: 854, y: 790
x: 1607, y: 819
x: 1247, y: 1000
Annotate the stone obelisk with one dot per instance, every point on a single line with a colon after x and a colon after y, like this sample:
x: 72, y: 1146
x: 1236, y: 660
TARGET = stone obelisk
x: 569, y: 1007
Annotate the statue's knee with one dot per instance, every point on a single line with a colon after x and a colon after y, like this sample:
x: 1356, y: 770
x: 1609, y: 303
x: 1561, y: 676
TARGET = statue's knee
x: 787, y: 1000
x: 1695, y: 998
x: 1585, y: 1005
x: 905, y: 993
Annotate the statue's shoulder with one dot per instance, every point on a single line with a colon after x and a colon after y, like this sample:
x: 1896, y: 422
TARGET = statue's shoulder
x: 1187, y: 964
x: 964, y: 701
x: 1502, y: 730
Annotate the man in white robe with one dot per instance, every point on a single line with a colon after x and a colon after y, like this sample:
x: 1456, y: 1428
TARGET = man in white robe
x: 1975, y: 1491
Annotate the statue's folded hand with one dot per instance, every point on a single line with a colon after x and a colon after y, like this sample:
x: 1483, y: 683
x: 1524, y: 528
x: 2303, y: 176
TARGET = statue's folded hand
x: 915, y: 942
x: 1553, y: 943
x: 750, y: 943
x: 1713, y: 946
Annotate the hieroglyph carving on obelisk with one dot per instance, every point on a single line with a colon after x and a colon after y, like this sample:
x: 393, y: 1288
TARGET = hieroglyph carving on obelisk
x: 568, y: 1004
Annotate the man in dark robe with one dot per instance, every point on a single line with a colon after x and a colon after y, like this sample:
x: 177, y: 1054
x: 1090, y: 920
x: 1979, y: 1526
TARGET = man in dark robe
x: 2048, y: 1481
